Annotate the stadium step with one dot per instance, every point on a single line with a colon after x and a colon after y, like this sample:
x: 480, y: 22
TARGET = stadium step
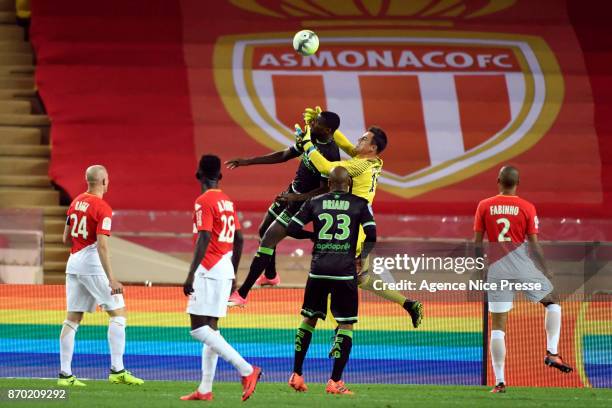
x: 11, y: 32
x: 24, y: 181
x: 54, y: 277
x: 54, y: 225
x: 17, y: 70
x: 56, y: 253
x: 53, y: 239
x: 14, y: 46
x: 19, y: 135
x: 15, y: 58
x: 23, y: 165
x: 49, y: 210
x: 54, y: 210
x: 54, y: 266
x: 8, y: 17
x: 17, y: 94
x: 14, y: 196
x: 26, y: 150
x: 7, y: 5
x: 23, y: 120
x: 17, y: 82
x: 15, y: 106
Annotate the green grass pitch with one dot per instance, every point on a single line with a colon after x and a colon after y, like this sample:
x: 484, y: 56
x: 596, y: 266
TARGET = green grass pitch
x: 155, y: 394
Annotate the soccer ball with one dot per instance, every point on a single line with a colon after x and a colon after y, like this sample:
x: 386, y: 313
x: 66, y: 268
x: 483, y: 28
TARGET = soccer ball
x: 305, y: 42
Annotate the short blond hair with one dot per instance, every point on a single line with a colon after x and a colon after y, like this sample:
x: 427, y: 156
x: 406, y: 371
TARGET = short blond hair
x: 95, y: 174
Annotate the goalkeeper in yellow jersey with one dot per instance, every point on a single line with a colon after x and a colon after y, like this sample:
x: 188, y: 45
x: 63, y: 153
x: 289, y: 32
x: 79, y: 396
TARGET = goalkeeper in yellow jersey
x: 364, y: 167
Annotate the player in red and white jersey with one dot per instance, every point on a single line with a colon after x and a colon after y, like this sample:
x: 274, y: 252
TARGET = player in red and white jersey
x: 511, y: 225
x: 217, y: 252
x: 90, y: 280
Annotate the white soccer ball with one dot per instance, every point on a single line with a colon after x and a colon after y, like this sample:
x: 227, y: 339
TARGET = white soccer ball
x: 305, y: 42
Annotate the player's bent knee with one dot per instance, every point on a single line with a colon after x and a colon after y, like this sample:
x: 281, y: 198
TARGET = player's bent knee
x: 72, y: 324
x: 498, y: 321
x: 262, y: 229
x: 363, y: 278
x: 203, y: 333
x: 74, y: 317
x: 118, y: 320
x: 121, y: 312
x: 311, y: 321
x: 273, y: 235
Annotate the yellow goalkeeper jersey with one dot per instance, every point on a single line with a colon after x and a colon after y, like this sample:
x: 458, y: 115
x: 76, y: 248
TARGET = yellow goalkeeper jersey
x: 364, y: 172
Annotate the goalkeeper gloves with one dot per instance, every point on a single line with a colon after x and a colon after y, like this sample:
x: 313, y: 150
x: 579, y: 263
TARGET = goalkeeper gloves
x: 311, y: 114
x: 302, y: 138
x: 299, y: 134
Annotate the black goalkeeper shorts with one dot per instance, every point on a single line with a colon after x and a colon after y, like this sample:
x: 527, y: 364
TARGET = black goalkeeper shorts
x: 344, y: 299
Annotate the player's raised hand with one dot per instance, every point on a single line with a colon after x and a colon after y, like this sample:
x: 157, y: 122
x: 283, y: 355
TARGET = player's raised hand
x: 311, y: 114
x: 237, y: 162
x: 299, y: 134
x: 188, y: 286
x: 116, y: 287
x: 306, y: 136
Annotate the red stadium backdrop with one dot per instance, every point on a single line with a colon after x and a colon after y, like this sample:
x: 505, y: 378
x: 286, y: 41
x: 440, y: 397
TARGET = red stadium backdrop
x: 460, y: 86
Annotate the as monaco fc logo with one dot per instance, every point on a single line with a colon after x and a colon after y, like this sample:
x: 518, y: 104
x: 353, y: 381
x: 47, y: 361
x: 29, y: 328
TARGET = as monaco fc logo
x: 453, y: 103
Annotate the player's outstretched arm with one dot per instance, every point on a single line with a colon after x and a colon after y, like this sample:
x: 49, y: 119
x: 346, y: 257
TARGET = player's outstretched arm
x: 198, y: 254
x: 478, y: 248
x: 295, y: 229
x: 237, y: 250
x: 537, y: 253
x: 370, y: 239
x: 104, y: 253
x: 366, y: 219
x: 66, y: 237
x: 344, y: 144
x: 317, y: 159
x: 478, y: 243
x: 273, y: 158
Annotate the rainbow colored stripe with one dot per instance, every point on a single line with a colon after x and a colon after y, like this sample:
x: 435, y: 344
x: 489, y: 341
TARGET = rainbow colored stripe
x: 447, y: 349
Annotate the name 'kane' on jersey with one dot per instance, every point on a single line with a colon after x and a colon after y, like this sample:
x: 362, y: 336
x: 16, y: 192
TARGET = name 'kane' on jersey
x: 336, y: 217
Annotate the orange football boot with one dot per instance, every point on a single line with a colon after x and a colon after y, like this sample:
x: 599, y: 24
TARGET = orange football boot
x: 337, y: 387
x: 197, y: 395
x: 250, y: 382
x: 296, y: 382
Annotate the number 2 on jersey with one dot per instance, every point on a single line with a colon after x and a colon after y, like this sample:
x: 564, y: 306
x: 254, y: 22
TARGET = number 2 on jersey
x: 502, y: 237
x: 82, y: 226
x: 228, y: 230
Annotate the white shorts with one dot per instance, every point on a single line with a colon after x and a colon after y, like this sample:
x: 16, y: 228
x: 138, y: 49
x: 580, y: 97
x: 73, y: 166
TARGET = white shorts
x: 209, y: 297
x: 85, y: 262
x: 516, y: 267
x: 84, y: 292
